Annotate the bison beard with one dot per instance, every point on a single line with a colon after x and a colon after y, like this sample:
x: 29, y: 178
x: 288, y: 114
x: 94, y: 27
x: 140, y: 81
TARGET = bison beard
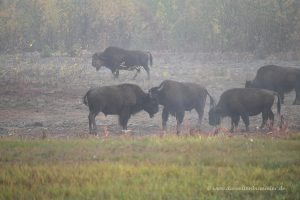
x: 115, y: 59
x: 244, y: 102
x: 123, y: 100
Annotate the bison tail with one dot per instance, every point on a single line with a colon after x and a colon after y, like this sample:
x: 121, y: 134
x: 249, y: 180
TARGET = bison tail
x: 278, y: 102
x: 85, y: 100
x: 150, y: 58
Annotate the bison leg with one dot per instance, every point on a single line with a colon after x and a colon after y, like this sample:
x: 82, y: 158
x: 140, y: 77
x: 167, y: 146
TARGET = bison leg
x: 179, y: 118
x: 281, y: 96
x: 123, y: 119
x: 92, y: 123
x: 136, y: 73
x: 164, y: 116
x: 297, y: 99
x: 113, y: 73
x: 116, y: 74
x: 265, y: 116
x: 200, y: 112
x: 148, y: 72
x: 234, y: 123
x: 246, y: 121
x: 271, y: 117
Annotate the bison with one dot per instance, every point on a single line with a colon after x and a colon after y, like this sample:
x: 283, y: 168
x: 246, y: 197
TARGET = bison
x: 123, y: 100
x: 115, y: 59
x: 178, y: 97
x: 244, y: 102
x: 279, y: 79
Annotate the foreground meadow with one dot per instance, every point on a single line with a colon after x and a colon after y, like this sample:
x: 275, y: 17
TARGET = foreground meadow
x: 151, y: 167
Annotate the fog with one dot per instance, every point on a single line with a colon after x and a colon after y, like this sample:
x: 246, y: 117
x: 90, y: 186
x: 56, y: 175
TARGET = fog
x: 68, y: 26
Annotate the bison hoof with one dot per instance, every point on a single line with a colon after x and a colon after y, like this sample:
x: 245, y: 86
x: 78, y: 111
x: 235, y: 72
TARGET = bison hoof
x: 93, y: 132
x: 126, y: 131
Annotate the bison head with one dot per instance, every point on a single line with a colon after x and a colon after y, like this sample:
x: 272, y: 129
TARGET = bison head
x: 98, y: 60
x: 154, y: 92
x: 214, y: 116
x: 150, y: 106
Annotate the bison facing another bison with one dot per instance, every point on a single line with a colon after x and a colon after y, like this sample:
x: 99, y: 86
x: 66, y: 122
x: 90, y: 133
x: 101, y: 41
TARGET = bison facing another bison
x: 123, y: 100
x: 178, y: 97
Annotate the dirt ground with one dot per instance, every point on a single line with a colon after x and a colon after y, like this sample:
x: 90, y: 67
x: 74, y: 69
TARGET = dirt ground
x: 42, y: 97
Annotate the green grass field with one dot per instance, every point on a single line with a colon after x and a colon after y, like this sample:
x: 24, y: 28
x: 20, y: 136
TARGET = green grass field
x: 151, y: 167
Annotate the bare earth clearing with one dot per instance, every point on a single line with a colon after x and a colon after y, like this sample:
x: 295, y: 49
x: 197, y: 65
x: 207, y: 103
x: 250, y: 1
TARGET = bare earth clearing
x: 43, y: 96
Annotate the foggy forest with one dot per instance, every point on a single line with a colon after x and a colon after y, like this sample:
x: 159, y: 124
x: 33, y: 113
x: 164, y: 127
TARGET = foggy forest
x: 256, y: 26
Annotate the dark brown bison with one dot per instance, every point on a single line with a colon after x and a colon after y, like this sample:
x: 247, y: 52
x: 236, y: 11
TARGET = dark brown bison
x: 115, y: 59
x: 244, y: 102
x: 177, y: 97
x: 123, y: 100
x: 279, y: 79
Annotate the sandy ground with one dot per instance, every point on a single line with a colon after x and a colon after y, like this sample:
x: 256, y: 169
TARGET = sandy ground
x: 43, y: 96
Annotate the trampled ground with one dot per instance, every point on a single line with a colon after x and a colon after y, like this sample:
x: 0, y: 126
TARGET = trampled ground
x: 44, y: 95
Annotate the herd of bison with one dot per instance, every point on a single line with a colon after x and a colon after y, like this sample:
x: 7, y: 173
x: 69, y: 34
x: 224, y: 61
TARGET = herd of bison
x: 177, y: 97
x: 166, y: 94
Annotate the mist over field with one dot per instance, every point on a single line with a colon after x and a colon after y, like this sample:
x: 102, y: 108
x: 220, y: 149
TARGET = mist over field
x: 259, y: 27
x: 46, y: 50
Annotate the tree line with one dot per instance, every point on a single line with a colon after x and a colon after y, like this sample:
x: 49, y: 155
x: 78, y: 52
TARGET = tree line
x: 260, y: 26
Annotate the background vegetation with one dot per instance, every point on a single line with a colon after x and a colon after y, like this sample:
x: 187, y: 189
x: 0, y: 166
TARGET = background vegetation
x: 259, y: 26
